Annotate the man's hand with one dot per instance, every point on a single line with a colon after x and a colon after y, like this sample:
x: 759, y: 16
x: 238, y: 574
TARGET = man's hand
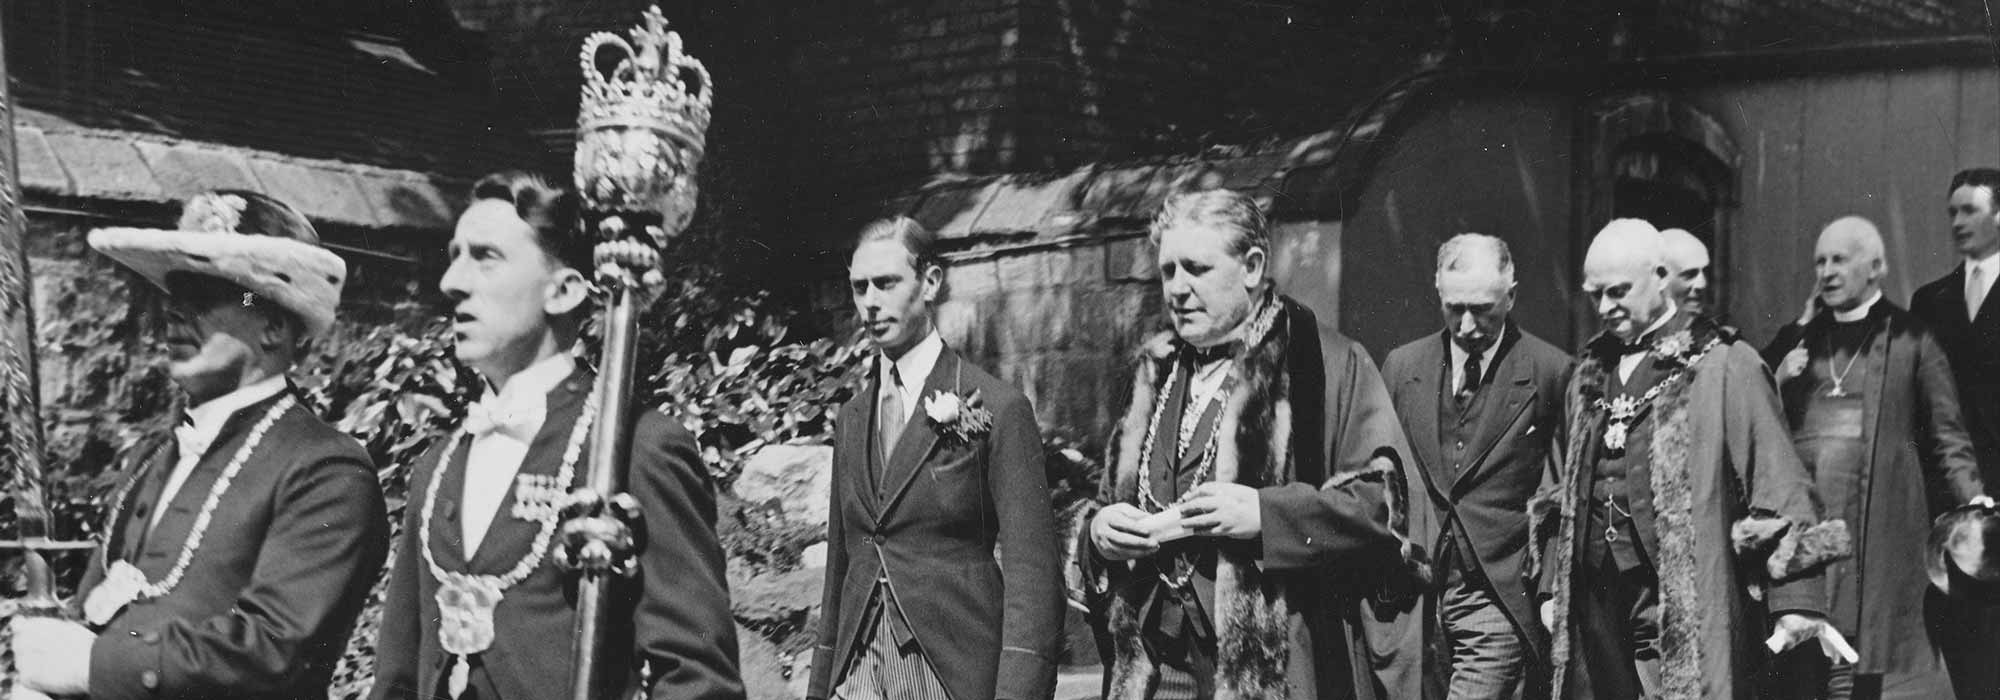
x: 1794, y: 363
x: 1217, y: 509
x: 1812, y: 307
x: 52, y: 656
x: 1549, y: 615
x: 1116, y: 533
x: 1981, y: 500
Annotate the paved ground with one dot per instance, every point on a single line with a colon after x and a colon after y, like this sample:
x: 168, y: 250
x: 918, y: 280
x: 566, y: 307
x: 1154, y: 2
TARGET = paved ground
x: 1079, y: 683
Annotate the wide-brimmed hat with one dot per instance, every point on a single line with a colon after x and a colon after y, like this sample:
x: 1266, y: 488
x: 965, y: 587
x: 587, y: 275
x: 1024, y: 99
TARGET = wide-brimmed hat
x: 1962, y: 551
x: 246, y: 238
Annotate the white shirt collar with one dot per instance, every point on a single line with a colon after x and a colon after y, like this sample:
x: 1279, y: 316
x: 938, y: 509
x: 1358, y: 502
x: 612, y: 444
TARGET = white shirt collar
x: 530, y: 387
x: 1658, y: 323
x: 1989, y: 263
x: 210, y: 415
x: 914, y: 367
x: 1859, y: 312
x: 1485, y: 356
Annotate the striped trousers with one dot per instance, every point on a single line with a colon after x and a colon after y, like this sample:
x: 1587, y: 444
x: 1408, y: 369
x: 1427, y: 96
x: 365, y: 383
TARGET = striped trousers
x: 885, y: 670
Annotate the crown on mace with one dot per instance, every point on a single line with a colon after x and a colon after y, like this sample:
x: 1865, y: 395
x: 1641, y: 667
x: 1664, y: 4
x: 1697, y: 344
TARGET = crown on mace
x: 653, y: 86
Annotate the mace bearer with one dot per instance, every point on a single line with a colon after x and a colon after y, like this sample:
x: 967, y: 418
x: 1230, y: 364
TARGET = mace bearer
x: 641, y: 130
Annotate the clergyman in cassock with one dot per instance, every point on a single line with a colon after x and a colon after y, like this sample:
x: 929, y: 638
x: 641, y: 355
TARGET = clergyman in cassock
x: 240, y: 548
x: 941, y: 576
x: 1682, y: 516
x: 1482, y: 405
x: 1248, y: 467
x: 1869, y: 399
x: 477, y: 608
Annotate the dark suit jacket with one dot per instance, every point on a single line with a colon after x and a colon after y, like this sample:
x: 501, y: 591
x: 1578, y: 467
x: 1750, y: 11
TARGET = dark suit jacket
x: 990, y: 628
x: 284, y: 567
x: 1916, y: 446
x: 1973, y: 346
x: 1519, y: 424
x: 672, y: 616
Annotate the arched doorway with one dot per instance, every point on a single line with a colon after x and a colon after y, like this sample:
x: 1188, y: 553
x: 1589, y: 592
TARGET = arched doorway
x: 1657, y: 158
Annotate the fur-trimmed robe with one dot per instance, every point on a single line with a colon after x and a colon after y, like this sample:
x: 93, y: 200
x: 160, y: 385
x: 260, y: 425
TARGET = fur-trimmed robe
x: 1286, y: 622
x: 1720, y: 453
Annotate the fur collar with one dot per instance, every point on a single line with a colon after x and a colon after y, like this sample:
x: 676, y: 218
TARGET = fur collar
x: 1783, y: 550
x: 1251, y: 615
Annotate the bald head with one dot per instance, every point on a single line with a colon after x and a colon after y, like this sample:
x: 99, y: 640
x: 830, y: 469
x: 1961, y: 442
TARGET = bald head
x: 1687, y: 269
x: 1625, y: 277
x: 1848, y: 263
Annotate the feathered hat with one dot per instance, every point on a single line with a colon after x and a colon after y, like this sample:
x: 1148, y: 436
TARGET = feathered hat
x: 254, y: 241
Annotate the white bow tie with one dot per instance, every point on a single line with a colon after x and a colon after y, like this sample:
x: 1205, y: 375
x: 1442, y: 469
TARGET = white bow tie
x: 482, y: 420
x: 191, y: 443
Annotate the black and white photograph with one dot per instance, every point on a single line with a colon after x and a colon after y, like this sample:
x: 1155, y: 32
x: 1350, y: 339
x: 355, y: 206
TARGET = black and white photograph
x: 999, y: 350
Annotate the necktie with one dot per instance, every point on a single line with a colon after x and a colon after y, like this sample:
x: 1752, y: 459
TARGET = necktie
x: 1975, y: 291
x: 1471, y: 383
x: 890, y: 419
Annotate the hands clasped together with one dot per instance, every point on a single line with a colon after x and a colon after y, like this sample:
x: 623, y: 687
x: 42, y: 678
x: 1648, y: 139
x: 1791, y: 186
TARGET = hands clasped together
x: 1122, y: 532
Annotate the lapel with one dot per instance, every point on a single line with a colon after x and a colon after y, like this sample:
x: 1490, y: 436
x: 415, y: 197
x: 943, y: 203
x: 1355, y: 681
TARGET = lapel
x: 1989, y: 311
x: 1502, y: 403
x: 177, y: 522
x: 148, y: 477
x: 918, y: 437
x: 508, y: 536
x: 1951, y: 296
x: 1426, y: 381
x: 855, y: 444
x: 447, y: 542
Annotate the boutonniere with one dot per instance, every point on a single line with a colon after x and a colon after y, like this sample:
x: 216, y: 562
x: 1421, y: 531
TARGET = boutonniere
x: 960, y: 418
x: 1674, y: 347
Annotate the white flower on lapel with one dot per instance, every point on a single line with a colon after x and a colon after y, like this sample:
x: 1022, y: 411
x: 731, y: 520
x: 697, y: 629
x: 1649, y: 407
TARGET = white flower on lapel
x: 960, y: 418
x: 943, y: 408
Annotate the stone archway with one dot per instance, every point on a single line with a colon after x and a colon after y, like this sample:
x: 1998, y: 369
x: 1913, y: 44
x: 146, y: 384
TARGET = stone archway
x: 1654, y: 156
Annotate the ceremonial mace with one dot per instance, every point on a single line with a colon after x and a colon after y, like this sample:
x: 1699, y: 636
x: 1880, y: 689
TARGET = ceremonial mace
x: 21, y: 417
x: 640, y: 132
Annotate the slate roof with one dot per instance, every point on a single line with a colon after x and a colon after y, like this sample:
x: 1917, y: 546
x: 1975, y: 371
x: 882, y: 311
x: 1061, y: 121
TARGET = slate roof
x: 319, y: 94
x: 1317, y: 175
x: 64, y: 160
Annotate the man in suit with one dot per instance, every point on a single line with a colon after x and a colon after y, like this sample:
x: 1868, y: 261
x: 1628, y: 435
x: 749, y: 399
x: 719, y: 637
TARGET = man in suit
x: 1870, y: 404
x: 476, y: 609
x: 241, y: 548
x: 941, y: 577
x: 1481, y: 403
x: 1246, y: 489
x: 1959, y: 309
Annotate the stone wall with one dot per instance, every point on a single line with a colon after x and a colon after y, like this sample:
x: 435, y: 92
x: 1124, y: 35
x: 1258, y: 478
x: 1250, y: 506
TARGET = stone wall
x: 1060, y: 322
x: 102, y: 383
